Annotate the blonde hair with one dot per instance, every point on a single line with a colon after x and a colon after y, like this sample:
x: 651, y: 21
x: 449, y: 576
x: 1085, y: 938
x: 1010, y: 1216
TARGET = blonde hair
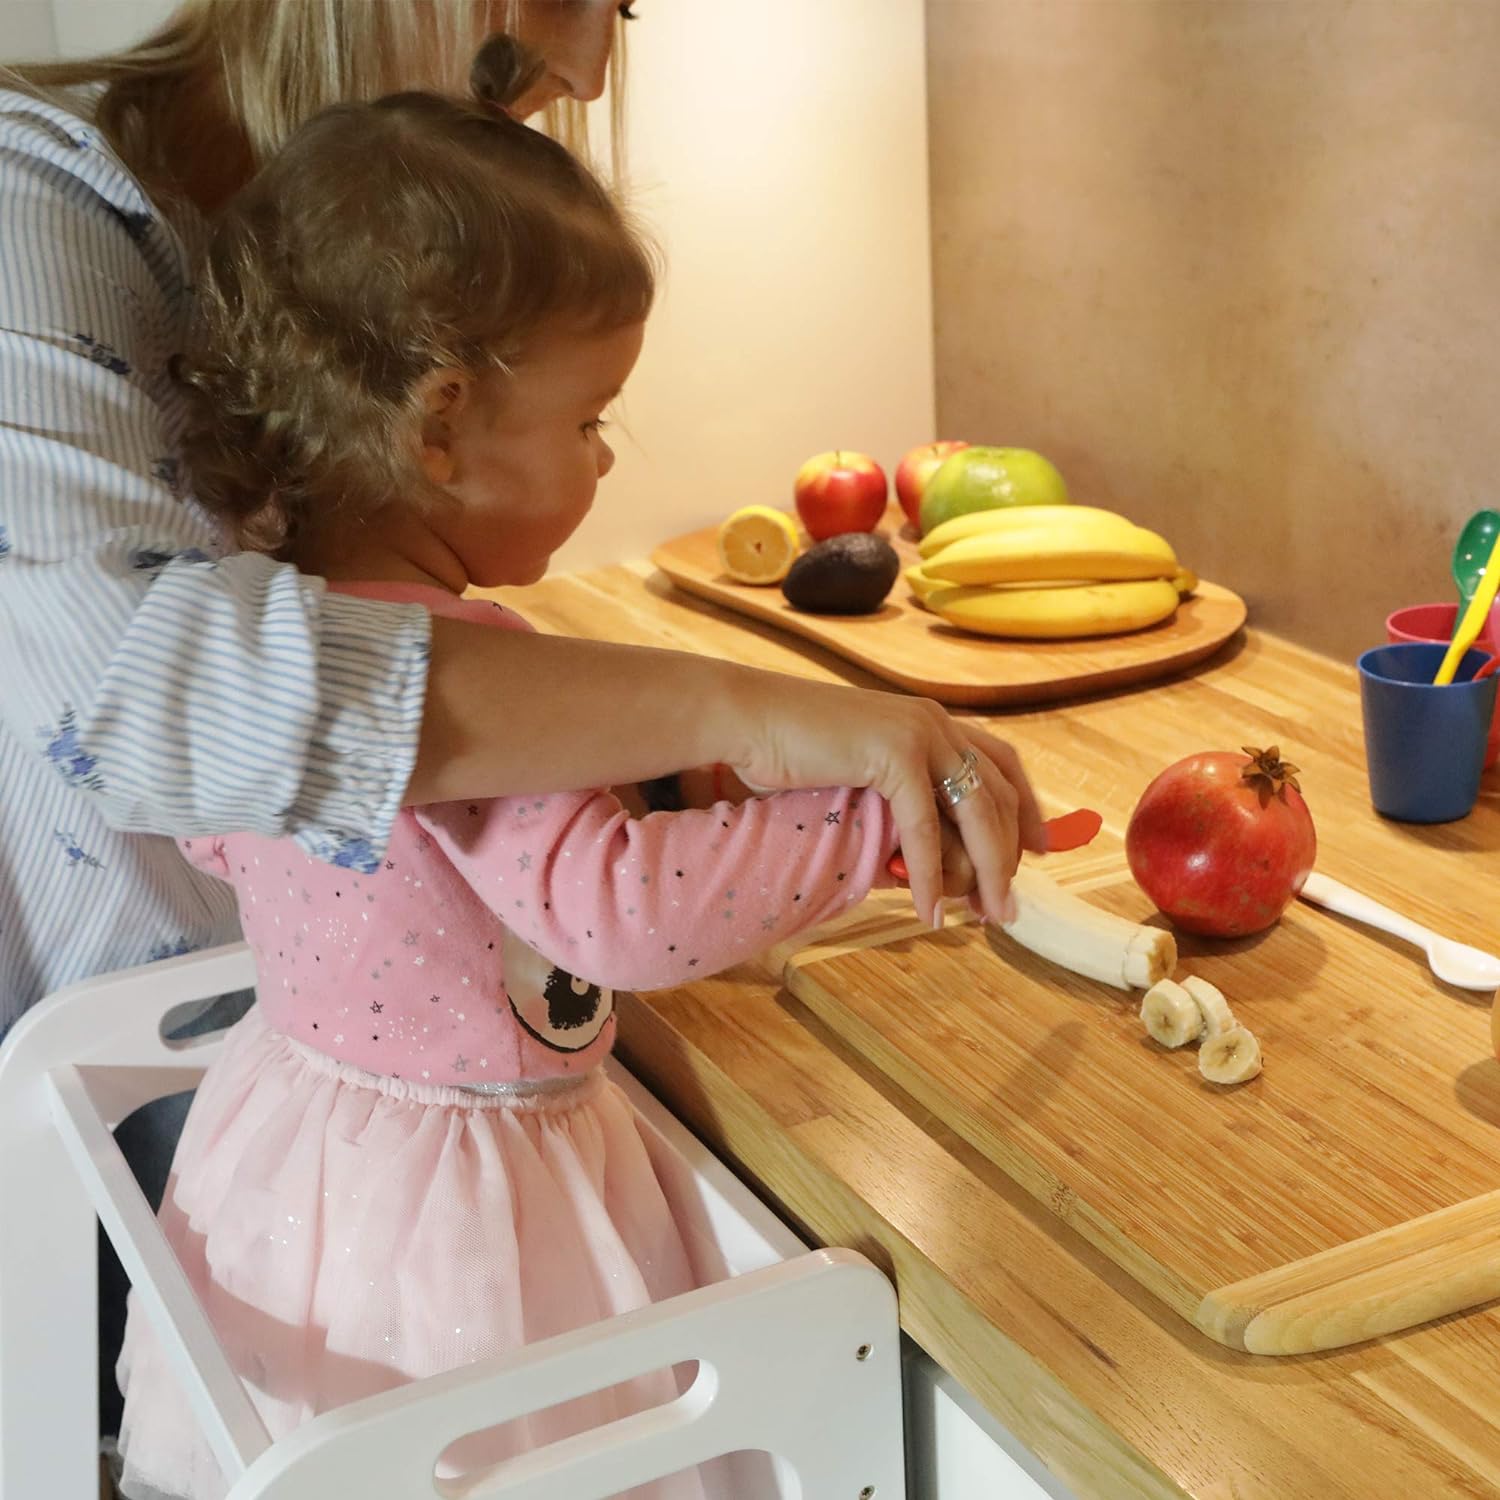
x: 382, y: 242
x: 279, y: 62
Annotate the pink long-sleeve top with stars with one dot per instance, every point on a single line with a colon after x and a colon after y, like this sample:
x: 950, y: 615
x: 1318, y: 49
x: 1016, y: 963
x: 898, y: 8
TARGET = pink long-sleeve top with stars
x: 484, y: 945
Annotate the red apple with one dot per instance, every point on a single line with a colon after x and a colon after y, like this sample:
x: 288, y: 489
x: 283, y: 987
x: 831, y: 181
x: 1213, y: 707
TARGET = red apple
x: 838, y: 492
x: 913, y: 472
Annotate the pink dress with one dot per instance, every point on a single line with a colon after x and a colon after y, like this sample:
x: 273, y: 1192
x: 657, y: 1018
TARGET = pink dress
x: 406, y: 1157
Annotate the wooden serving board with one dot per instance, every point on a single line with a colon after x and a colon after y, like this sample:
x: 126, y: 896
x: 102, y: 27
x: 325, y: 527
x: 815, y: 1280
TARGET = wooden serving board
x: 1351, y: 1190
x: 916, y: 651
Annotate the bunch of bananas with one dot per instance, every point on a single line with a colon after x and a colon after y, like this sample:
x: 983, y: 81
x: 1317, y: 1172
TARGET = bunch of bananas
x: 1048, y: 572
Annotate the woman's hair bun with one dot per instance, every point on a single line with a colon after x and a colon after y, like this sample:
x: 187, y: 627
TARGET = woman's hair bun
x: 503, y: 70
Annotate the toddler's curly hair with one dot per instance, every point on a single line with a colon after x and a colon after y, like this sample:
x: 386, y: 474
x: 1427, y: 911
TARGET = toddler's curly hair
x: 385, y: 240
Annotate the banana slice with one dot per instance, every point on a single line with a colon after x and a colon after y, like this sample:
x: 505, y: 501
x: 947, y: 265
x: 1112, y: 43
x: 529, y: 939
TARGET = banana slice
x: 1171, y: 1015
x: 1217, y: 1016
x: 1232, y: 1056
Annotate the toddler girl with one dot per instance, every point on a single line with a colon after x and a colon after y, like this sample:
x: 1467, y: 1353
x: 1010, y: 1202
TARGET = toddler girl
x: 406, y: 1157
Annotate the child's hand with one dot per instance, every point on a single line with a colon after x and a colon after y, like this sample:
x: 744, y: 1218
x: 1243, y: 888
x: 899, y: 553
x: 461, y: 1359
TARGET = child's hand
x: 706, y: 786
x: 958, y: 868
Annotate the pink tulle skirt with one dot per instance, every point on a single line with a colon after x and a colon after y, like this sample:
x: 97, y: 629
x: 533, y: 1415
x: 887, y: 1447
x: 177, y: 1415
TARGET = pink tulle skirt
x: 348, y: 1233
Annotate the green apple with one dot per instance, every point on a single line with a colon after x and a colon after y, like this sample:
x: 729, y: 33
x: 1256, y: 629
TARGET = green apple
x: 981, y: 478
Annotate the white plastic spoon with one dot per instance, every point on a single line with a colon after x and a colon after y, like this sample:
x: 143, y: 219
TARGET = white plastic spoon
x: 1454, y: 963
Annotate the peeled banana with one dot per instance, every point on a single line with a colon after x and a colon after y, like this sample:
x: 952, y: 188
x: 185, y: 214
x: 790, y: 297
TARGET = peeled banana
x: 1231, y: 1057
x: 1058, y: 926
x: 1031, y: 556
x: 1057, y: 613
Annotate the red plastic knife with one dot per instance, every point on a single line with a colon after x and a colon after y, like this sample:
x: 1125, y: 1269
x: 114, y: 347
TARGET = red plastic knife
x: 1068, y: 831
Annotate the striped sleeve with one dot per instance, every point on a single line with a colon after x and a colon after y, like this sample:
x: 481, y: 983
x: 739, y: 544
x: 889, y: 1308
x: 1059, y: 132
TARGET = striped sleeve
x: 187, y: 692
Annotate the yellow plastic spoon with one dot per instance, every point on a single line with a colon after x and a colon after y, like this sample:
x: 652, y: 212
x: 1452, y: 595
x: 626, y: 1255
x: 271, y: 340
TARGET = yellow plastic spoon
x: 1472, y: 620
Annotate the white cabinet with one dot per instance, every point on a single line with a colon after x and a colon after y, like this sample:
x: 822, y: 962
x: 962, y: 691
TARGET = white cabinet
x: 955, y: 1450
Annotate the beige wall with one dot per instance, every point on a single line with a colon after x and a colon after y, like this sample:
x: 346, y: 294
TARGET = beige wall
x: 1234, y: 264
x: 779, y: 150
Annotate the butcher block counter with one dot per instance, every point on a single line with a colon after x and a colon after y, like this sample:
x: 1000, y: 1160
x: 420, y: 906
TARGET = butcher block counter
x: 1053, y: 1195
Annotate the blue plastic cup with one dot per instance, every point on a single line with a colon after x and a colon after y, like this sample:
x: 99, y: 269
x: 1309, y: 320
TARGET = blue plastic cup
x: 1424, y: 745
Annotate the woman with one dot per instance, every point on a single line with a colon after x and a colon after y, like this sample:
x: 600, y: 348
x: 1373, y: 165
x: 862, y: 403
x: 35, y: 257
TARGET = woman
x: 118, y: 615
x: 121, y: 623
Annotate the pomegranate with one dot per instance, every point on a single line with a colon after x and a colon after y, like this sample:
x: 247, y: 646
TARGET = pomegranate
x: 1222, y: 843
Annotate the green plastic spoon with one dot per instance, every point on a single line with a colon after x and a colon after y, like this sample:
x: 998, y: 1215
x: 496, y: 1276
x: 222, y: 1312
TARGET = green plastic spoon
x: 1476, y: 611
x: 1470, y: 553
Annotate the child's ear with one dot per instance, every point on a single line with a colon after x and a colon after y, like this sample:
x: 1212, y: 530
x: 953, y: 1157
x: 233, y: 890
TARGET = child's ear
x: 443, y: 394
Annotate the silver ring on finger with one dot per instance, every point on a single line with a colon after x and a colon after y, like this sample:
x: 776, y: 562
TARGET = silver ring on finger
x: 963, y: 783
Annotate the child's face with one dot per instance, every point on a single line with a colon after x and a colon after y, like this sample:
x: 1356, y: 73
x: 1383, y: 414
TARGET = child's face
x: 522, y: 453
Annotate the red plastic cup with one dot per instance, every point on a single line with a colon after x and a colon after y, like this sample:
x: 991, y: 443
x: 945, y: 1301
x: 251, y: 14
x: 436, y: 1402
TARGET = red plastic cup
x: 1435, y: 624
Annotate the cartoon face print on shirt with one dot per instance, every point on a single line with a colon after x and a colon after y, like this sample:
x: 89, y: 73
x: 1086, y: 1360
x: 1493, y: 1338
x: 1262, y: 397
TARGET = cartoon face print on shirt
x: 561, y: 1012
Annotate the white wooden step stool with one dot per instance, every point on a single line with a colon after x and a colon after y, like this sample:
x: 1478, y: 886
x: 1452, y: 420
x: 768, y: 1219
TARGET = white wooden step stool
x: 798, y: 1350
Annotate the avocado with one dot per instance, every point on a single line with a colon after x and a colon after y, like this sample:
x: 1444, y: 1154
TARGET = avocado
x: 848, y: 574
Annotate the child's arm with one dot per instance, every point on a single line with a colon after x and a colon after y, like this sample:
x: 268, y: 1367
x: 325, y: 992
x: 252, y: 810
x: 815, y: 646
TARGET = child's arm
x: 642, y: 904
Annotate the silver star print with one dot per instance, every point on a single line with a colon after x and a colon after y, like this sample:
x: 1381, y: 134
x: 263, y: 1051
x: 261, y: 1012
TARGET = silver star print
x: 460, y: 1063
x: 410, y: 940
x: 524, y: 862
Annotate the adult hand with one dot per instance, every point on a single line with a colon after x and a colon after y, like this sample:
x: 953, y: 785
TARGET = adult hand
x: 815, y: 734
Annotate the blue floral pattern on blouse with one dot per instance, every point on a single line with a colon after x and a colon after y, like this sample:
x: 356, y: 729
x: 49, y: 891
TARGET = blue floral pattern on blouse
x: 75, y: 765
x: 347, y: 853
x: 170, y: 949
x: 77, y: 855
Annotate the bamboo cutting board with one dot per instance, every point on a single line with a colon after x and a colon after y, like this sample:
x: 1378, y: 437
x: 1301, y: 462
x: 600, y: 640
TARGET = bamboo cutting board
x: 916, y: 651
x: 1352, y: 1190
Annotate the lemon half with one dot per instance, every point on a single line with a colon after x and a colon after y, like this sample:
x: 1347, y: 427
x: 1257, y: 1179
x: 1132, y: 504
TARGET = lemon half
x: 758, y: 545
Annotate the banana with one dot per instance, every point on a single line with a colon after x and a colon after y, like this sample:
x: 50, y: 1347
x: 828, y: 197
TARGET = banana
x: 1171, y: 1015
x: 923, y: 587
x: 1231, y: 1057
x: 1031, y: 556
x: 1058, y: 520
x: 1185, y: 581
x: 1057, y: 613
x: 1055, y: 925
x: 920, y: 584
x: 1217, y: 1016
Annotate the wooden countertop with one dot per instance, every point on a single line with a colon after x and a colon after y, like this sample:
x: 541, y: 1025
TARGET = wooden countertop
x: 1116, y: 1394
